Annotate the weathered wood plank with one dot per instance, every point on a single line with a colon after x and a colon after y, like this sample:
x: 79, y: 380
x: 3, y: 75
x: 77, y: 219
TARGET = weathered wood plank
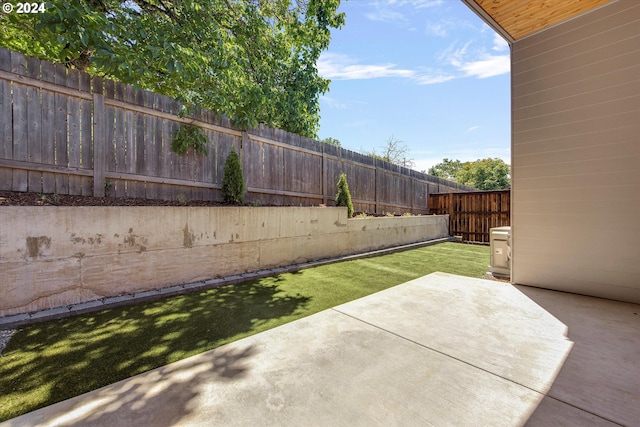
x: 111, y: 186
x: 48, y: 128
x: 86, y: 139
x: 61, y: 130
x: 99, y: 143
x: 138, y: 189
x: 151, y: 153
x: 121, y: 147
x: 6, y: 122
x: 166, y: 191
x: 20, y: 122
x: 131, y: 189
x: 34, y: 132
x: 74, y: 145
x: 29, y: 166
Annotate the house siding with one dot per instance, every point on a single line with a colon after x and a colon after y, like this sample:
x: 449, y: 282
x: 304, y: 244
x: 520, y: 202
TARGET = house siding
x: 576, y: 155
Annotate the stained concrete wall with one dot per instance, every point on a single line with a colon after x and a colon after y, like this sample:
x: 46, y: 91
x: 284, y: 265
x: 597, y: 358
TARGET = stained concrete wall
x: 55, y: 256
x: 576, y: 155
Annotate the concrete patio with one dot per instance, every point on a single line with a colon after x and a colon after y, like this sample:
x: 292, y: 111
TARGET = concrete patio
x: 439, y: 350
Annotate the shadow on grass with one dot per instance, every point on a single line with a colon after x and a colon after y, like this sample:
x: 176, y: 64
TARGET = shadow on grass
x: 50, y: 362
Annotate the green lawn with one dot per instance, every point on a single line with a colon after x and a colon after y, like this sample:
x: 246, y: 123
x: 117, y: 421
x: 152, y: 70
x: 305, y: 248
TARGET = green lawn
x: 49, y: 362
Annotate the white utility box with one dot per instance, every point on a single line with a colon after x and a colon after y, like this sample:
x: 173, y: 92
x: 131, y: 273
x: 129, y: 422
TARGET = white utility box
x: 500, y: 240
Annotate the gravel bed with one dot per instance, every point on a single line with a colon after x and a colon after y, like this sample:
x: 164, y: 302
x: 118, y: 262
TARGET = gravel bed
x: 5, y: 336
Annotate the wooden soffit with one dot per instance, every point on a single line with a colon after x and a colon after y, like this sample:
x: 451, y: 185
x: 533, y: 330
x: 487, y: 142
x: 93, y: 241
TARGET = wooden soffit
x: 515, y: 19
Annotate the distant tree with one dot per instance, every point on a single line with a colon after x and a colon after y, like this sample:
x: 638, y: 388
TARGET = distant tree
x: 343, y: 198
x: 447, y: 169
x: 394, y: 151
x: 485, y: 174
x: 332, y: 141
x: 233, y: 181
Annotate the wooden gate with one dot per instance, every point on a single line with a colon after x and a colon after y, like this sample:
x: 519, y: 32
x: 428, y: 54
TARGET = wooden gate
x: 472, y: 215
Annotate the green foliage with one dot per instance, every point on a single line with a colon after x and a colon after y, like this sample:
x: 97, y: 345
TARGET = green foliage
x: 332, y: 141
x: 447, y: 169
x: 485, y: 174
x: 189, y: 136
x: 343, y: 198
x: 233, y: 181
x: 254, y: 61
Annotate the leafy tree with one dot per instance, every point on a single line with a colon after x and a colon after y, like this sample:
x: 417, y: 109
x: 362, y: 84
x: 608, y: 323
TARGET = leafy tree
x: 332, y: 141
x: 252, y: 60
x: 447, y: 169
x: 343, y: 198
x: 233, y: 181
x: 394, y: 151
x: 485, y: 174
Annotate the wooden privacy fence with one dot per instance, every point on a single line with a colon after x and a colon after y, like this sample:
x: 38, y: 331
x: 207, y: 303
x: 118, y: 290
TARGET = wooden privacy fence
x: 66, y: 132
x: 472, y: 215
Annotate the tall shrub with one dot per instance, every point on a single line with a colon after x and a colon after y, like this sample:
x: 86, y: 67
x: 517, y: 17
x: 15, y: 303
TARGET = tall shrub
x: 233, y: 181
x: 343, y: 198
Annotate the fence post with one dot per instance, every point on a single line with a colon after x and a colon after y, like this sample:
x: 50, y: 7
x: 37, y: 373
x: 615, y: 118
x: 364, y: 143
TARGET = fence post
x: 98, y: 144
x: 376, y: 186
x: 413, y: 193
x: 323, y: 184
x: 450, y: 212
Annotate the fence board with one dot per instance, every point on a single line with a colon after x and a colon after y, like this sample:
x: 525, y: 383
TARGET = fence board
x: 128, y: 120
x: 6, y: 131
x: 48, y: 127
x: 151, y: 156
x: 6, y: 134
x: 20, y: 128
x: 86, y: 140
x: 99, y: 141
x: 472, y: 215
x: 121, y: 146
x: 69, y: 131
x: 61, y: 130
x: 74, y: 147
x: 34, y: 123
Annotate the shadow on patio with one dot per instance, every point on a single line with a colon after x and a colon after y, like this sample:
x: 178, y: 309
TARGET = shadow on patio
x: 600, y: 379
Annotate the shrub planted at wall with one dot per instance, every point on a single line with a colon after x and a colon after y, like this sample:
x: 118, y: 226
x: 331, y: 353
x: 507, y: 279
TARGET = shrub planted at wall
x: 233, y: 181
x: 343, y: 198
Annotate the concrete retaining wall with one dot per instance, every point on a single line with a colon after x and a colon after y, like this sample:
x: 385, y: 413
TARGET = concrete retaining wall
x: 55, y: 256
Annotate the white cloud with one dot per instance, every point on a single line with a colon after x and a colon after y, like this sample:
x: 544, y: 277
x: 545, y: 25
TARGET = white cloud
x: 499, y: 44
x: 477, y: 63
x: 487, y: 66
x: 342, y: 67
x: 387, y: 11
x: 439, y: 29
x: 333, y: 103
x: 429, y: 79
x: 473, y: 128
x: 446, y: 27
x: 418, y: 4
x: 385, y: 15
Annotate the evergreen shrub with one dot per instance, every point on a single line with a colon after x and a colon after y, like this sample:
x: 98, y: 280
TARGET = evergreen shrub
x: 233, y: 181
x: 343, y: 198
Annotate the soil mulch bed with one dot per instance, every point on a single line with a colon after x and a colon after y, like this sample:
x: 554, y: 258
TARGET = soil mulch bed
x: 14, y: 198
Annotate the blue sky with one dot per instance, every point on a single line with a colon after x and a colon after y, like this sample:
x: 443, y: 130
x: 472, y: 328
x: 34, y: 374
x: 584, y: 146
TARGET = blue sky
x: 429, y: 72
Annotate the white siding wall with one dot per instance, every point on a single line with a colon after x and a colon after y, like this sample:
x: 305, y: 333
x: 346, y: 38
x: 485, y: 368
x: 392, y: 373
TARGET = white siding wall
x: 576, y: 155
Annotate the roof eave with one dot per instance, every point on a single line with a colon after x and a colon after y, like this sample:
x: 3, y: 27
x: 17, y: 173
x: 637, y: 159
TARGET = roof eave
x: 489, y: 20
